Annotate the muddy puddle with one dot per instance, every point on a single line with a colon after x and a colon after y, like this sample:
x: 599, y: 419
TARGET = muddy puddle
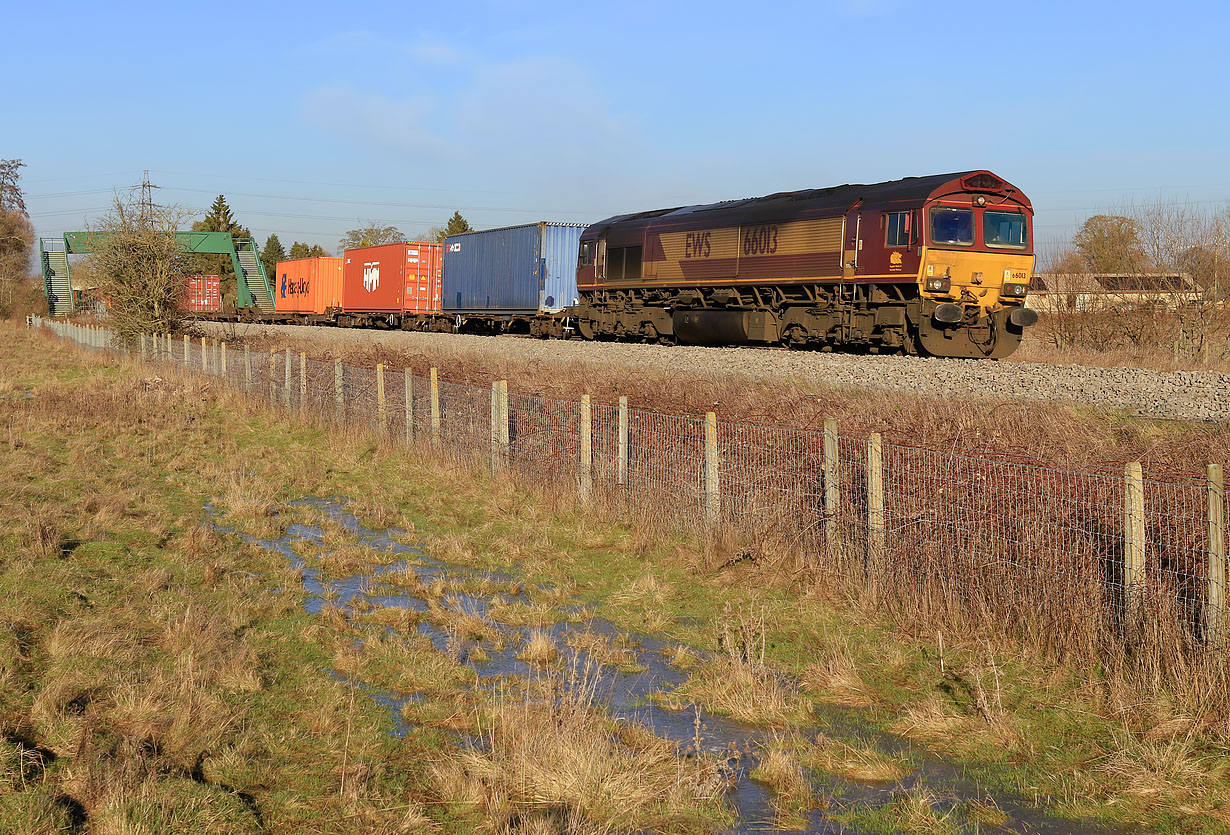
x: 628, y: 690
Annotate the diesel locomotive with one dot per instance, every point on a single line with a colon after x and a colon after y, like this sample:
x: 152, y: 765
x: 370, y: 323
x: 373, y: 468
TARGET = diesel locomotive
x: 936, y: 265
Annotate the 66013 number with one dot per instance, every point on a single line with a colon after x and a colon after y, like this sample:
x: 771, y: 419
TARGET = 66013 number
x: 761, y: 240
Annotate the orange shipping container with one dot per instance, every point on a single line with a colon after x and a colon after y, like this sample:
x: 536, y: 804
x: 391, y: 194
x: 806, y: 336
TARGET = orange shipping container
x: 392, y: 278
x: 308, y: 285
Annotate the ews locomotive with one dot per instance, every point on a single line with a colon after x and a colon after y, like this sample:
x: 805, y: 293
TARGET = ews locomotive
x: 935, y: 265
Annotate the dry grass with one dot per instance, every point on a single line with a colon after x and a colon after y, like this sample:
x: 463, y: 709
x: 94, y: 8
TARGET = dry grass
x: 563, y: 764
x: 1176, y: 772
x: 835, y: 679
x: 606, y: 650
x: 517, y: 613
x: 463, y: 618
x: 861, y: 763
x: 539, y: 648
x: 914, y: 812
x: 778, y: 767
x: 738, y: 683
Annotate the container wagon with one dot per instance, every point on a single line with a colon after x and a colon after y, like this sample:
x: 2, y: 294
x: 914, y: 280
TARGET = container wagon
x: 514, y: 278
x: 390, y: 285
x: 308, y: 286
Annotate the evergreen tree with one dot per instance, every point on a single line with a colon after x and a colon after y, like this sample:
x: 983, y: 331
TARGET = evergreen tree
x: 456, y: 225
x: 272, y: 254
x: 299, y: 250
x: 317, y: 251
x: 221, y: 219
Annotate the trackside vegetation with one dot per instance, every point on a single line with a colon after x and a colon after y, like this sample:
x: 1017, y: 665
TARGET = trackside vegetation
x: 159, y: 673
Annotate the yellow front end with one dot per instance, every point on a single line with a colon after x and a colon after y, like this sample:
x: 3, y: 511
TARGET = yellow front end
x: 969, y: 277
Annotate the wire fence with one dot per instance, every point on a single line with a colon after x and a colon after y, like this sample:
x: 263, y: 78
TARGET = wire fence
x: 1019, y: 534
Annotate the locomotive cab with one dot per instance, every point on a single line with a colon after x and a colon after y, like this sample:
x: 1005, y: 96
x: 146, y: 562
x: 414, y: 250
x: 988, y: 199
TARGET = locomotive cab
x: 976, y: 261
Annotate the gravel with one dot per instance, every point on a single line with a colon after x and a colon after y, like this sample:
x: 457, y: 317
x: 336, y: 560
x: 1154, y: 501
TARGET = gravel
x: 1202, y: 396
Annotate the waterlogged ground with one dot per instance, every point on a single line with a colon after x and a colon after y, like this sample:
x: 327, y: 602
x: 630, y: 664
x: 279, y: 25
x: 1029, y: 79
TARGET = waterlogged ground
x: 448, y: 647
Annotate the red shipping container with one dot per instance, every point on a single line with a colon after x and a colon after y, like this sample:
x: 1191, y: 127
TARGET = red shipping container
x: 308, y: 285
x: 392, y: 278
x: 424, y: 268
x: 202, y: 294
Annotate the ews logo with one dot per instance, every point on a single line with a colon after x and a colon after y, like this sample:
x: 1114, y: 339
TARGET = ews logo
x: 371, y: 276
x: 697, y: 245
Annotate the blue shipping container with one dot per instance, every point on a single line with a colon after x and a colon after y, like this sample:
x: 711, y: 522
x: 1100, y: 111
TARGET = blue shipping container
x: 515, y: 269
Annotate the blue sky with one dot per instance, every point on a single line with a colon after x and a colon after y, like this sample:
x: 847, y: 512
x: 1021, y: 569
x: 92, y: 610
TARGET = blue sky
x: 312, y: 118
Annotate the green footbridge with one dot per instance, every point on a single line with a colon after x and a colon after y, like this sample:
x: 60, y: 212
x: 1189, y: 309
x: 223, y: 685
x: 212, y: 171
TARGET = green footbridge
x: 254, y: 289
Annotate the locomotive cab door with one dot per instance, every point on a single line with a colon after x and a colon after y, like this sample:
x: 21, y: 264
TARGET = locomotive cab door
x: 852, y: 242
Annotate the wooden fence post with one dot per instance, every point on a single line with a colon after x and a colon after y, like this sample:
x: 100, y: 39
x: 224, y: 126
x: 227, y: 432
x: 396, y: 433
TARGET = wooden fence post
x: 339, y: 395
x: 1134, y: 535
x: 247, y: 369
x: 505, y: 449
x: 303, y: 398
x: 713, y: 494
x: 495, y: 426
x: 435, y: 407
x: 409, y: 428
x: 381, y: 410
x: 142, y: 347
x: 187, y: 351
x: 587, y: 458
x: 273, y: 385
x: 832, y: 489
x: 621, y: 466
x: 204, y: 357
x: 875, y: 504
x: 286, y: 380
x: 1215, y: 615
x: 222, y: 358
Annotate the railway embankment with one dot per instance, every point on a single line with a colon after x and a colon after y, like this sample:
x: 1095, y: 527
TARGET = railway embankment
x: 286, y: 721
x: 1201, y: 396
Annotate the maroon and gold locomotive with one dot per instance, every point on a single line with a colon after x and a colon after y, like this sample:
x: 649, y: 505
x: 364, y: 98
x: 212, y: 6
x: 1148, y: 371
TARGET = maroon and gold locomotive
x: 934, y: 265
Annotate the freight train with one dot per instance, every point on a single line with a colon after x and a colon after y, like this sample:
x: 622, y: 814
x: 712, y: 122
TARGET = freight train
x: 936, y: 265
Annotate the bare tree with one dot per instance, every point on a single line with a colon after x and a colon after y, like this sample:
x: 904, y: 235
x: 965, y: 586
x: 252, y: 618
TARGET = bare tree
x: 139, y: 262
x: 1172, y: 264
x: 16, y: 234
x: 373, y: 234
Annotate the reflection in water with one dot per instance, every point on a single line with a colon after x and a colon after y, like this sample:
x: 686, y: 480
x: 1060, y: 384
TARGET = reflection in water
x: 628, y: 688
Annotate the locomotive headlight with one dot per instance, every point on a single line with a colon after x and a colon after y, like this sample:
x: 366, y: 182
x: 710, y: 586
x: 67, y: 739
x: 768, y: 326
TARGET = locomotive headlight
x: 1015, y: 291
x: 938, y: 285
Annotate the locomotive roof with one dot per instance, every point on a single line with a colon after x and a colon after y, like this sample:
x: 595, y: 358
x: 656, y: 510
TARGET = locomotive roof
x: 908, y: 191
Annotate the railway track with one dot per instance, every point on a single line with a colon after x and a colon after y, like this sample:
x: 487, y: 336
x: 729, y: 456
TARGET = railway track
x: 1189, y: 396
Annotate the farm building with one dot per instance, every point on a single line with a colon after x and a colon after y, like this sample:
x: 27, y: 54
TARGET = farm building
x: 1091, y: 292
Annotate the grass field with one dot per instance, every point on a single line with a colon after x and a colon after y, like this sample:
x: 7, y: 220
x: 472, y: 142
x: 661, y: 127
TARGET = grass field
x: 158, y: 674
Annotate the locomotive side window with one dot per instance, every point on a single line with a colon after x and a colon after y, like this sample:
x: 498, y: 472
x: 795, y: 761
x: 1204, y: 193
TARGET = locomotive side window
x: 614, y: 263
x: 587, y: 253
x: 1004, y: 229
x: 623, y: 263
x: 952, y: 226
x: 632, y: 262
x: 898, y: 227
